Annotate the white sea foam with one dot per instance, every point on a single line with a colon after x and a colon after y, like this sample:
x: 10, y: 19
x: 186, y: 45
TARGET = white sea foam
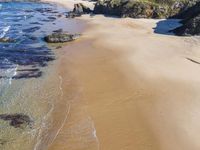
x: 7, y: 76
x: 4, y: 31
x: 44, y: 123
x: 13, y: 73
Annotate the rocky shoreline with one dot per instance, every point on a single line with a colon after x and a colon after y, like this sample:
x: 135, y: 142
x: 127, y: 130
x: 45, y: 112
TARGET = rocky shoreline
x: 189, y: 11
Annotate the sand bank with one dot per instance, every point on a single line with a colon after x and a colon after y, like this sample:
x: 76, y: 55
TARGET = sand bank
x: 135, y: 90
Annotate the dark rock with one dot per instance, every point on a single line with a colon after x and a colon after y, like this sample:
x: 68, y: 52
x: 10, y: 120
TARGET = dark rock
x: 17, y: 120
x: 43, y: 10
x: 58, y: 31
x: 32, y: 29
x: 133, y: 9
x: 79, y: 9
x: 52, y: 18
x: 60, y: 37
x: 36, y: 23
x: 72, y: 15
x: 190, y: 27
x: 140, y: 9
x: 59, y: 16
x: 190, y: 10
x: 191, y: 21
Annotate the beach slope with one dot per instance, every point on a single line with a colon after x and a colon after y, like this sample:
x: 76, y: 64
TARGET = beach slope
x: 136, y: 90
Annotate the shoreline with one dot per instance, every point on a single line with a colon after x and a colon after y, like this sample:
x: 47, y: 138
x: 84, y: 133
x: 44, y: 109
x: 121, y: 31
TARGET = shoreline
x: 133, y: 89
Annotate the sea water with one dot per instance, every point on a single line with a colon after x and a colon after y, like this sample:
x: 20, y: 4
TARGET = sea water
x: 26, y: 95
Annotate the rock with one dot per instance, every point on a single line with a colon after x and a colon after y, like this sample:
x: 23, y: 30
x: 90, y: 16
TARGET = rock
x: 191, y: 21
x: 128, y: 8
x: 59, y: 15
x: 72, y: 15
x: 17, y: 120
x: 139, y: 8
x: 58, y: 31
x: 79, y: 9
x: 51, y: 18
x: 7, y: 40
x: 190, y: 27
x: 32, y: 29
x: 189, y: 10
x: 61, y: 37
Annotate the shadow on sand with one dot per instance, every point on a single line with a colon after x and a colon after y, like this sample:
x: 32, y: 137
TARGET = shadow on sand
x: 166, y: 26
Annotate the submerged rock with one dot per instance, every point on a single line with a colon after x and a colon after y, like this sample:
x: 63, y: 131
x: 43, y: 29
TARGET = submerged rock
x: 58, y: 31
x: 17, y: 120
x: 32, y: 29
x: 7, y: 40
x: 61, y: 37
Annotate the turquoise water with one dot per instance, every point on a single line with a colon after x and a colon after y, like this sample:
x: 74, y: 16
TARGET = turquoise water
x: 28, y: 84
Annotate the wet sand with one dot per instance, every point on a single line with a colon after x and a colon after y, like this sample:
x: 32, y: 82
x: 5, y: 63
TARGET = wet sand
x: 130, y: 89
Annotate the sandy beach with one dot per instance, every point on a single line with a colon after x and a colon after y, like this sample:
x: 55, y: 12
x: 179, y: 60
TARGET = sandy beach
x: 132, y: 89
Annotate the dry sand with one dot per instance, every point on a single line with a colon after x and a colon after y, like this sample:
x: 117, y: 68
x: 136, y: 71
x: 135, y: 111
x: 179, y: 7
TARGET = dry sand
x: 135, y: 90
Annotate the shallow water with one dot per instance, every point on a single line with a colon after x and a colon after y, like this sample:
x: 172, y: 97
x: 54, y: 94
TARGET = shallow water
x: 29, y: 85
x: 36, y: 93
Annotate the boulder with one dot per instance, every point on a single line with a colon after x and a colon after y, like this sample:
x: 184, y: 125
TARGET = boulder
x: 190, y: 27
x: 79, y: 9
x: 191, y: 21
x: 61, y: 37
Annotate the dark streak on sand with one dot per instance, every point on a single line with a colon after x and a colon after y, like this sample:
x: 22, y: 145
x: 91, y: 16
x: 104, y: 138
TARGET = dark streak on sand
x: 194, y: 61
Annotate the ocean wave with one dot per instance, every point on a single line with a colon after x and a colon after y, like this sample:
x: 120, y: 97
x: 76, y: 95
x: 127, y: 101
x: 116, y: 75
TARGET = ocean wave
x: 6, y: 75
x: 4, y: 31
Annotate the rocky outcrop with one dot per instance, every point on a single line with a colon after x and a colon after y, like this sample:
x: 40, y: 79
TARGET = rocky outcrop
x: 79, y: 9
x: 191, y: 21
x: 61, y: 37
x: 139, y: 8
x: 190, y: 27
x: 189, y: 11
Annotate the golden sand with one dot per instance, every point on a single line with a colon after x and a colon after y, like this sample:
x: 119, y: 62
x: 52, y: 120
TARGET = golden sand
x: 132, y: 89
